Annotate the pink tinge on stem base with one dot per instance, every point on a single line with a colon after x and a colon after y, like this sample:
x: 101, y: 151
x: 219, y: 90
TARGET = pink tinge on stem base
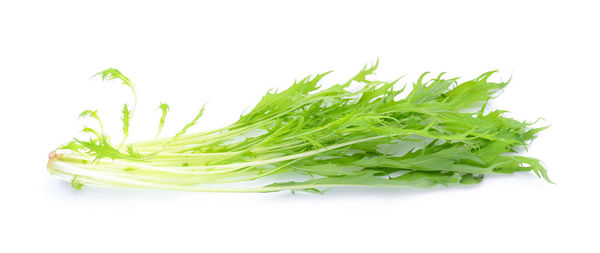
x: 51, y: 157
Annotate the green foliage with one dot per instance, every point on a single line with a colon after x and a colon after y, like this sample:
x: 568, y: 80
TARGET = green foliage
x: 75, y: 183
x: 438, y: 134
x: 187, y: 126
x: 112, y: 74
x: 164, y: 108
x: 91, y: 131
x: 94, y: 115
x: 126, y: 117
x: 101, y: 148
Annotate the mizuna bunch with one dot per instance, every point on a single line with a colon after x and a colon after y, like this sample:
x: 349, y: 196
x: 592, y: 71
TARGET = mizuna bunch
x: 311, y: 139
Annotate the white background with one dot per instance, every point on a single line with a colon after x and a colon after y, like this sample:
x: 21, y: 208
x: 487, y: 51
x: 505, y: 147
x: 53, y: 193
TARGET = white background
x: 229, y: 54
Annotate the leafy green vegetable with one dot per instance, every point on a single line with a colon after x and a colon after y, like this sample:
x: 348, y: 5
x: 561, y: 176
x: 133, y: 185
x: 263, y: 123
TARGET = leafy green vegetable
x: 309, y: 138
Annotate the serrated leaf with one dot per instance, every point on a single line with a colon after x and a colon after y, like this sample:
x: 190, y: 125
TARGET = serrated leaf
x: 164, y: 108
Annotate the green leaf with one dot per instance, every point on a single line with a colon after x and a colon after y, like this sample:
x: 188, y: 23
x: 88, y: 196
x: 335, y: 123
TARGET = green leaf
x: 164, y: 108
x: 91, y: 131
x: 76, y: 184
x: 94, y: 115
x: 188, y: 125
x: 125, y: 118
x: 112, y: 74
